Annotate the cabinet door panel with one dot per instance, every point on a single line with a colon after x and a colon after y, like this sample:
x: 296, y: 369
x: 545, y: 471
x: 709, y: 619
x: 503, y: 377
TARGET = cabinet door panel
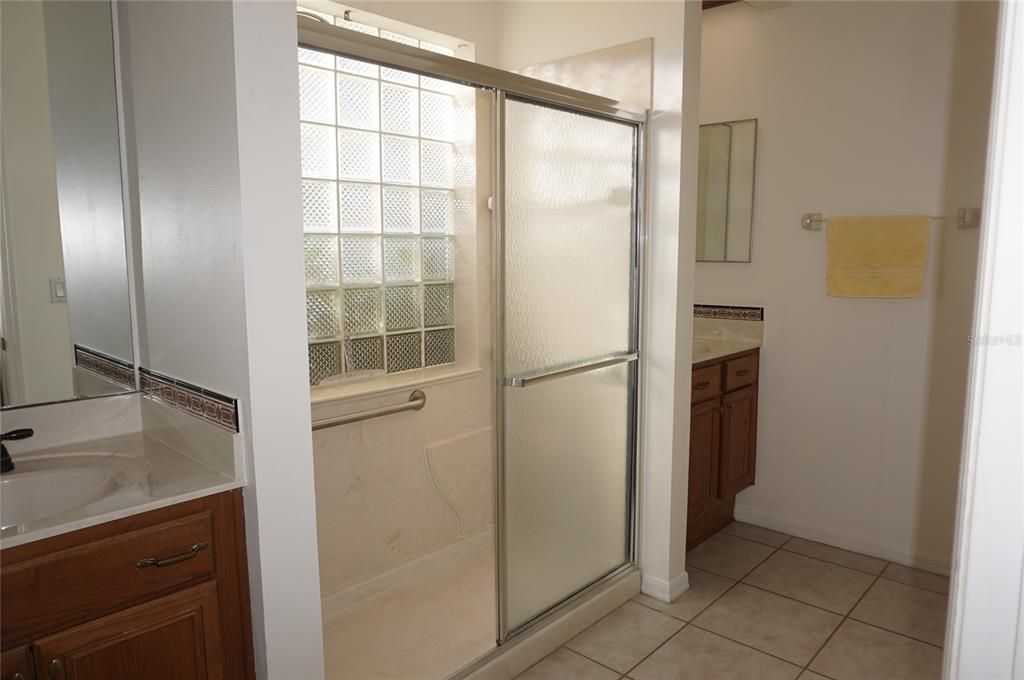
x: 739, y: 441
x: 174, y: 637
x: 705, y: 424
x: 14, y: 664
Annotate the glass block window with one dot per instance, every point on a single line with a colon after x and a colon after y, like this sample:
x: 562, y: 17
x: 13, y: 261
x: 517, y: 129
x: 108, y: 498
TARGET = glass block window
x: 378, y: 199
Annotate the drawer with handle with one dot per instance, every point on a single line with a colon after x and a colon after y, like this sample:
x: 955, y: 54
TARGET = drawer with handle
x: 65, y: 587
x: 740, y: 372
x: 706, y: 383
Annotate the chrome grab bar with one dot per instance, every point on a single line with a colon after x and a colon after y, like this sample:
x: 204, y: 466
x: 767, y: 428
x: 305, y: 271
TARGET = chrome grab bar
x: 417, y: 400
x: 527, y: 380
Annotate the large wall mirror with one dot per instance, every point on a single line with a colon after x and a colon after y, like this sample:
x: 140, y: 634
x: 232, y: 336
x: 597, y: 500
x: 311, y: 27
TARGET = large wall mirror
x: 66, y: 322
x: 725, y: 190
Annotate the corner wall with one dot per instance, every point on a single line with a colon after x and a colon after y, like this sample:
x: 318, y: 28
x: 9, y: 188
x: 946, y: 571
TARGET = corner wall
x: 211, y: 110
x: 859, y: 408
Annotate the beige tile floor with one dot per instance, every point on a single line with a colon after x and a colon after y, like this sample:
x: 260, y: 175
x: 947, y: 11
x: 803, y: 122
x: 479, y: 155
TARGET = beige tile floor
x: 765, y: 606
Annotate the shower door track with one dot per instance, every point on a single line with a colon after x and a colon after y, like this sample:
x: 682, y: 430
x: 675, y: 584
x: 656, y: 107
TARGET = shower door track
x: 319, y: 35
x: 325, y: 37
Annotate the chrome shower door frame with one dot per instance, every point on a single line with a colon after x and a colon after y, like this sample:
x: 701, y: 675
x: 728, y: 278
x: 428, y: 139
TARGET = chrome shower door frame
x: 633, y: 356
x: 318, y: 35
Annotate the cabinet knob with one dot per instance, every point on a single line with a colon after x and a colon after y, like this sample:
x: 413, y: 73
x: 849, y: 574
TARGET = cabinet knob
x: 18, y: 676
x: 56, y: 670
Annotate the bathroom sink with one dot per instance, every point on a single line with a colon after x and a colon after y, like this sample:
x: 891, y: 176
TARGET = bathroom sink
x: 45, y: 486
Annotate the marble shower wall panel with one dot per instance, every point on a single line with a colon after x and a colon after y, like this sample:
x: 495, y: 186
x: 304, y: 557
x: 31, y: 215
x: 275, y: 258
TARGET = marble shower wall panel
x: 462, y: 471
x: 378, y: 506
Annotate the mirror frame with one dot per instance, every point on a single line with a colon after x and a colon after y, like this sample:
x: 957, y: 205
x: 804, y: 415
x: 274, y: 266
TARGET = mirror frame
x: 753, y: 193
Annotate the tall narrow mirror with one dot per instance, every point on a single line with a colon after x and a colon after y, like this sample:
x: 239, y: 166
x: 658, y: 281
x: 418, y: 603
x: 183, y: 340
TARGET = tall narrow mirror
x: 66, y: 317
x: 725, y: 198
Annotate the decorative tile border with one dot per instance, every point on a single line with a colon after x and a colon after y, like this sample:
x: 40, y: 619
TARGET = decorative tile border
x: 105, y: 366
x: 202, y: 403
x: 728, y: 312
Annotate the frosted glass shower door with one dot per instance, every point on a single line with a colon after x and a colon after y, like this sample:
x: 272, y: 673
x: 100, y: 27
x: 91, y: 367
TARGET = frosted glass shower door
x: 569, y: 334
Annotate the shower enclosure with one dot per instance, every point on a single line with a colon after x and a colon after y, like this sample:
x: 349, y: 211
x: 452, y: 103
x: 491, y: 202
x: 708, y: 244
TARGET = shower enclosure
x: 565, y: 182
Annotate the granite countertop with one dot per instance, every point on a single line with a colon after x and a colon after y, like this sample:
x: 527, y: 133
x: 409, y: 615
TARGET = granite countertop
x: 707, y: 349
x: 163, y: 476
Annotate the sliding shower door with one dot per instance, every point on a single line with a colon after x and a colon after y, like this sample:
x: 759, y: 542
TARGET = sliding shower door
x: 568, y: 294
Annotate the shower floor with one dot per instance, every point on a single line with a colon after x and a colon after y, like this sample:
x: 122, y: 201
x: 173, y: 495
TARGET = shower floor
x: 426, y: 627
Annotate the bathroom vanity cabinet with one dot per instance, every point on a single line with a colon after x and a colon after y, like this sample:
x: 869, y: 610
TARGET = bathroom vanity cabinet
x: 723, y: 440
x: 159, y: 595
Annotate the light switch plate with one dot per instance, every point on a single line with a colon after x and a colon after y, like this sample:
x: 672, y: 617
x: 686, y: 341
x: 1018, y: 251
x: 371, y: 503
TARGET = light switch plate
x: 58, y: 291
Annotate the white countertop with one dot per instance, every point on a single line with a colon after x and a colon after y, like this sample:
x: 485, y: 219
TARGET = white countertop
x: 705, y: 349
x: 172, y: 478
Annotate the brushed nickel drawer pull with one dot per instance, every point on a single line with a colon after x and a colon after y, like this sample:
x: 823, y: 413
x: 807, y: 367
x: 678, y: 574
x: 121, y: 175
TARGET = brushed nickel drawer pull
x: 701, y: 386
x: 56, y: 670
x: 173, y: 559
x: 745, y: 371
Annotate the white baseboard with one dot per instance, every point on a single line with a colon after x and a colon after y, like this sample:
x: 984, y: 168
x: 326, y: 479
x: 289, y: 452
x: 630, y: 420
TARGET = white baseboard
x: 665, y: 591
x: 349, y: 595
x: 841, y: 539
x: 514, y: 657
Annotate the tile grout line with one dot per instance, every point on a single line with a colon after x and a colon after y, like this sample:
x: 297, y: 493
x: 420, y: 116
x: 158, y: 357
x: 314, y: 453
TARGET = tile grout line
x: 848, y: 615
x: 703, y: 609
x: 581, y: 654
x: 775, y: 549
x: 748, y: 646
x: 843, y: 620
x: 911, y: 585
x: 837, y: 564
x: 881, y: 574
x: 877, y: 577
x: 895, y: 632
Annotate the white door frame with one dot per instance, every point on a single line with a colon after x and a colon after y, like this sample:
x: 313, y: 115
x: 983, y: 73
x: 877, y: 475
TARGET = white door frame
x: 985, y: 633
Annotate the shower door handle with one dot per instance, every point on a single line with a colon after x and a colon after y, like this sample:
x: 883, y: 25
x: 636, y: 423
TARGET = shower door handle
x: 555, y: 374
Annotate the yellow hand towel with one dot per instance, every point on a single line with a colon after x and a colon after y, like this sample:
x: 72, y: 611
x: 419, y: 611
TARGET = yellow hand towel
x: 877, y: 257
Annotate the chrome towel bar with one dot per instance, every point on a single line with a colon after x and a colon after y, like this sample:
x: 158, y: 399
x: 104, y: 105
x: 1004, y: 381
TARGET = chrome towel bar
x: 965, y: 218
x: 417, y: 400
x: 527, y: 380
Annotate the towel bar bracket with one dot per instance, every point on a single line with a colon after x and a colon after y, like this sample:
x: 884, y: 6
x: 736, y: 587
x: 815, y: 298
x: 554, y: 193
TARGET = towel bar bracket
x: 812, y: 221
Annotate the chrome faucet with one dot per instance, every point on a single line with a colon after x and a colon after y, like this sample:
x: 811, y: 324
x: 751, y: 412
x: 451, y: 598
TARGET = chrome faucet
x: 6, y: 464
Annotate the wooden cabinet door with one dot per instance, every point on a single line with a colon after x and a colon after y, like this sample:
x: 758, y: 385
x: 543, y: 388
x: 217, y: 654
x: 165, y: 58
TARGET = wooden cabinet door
x: 173, y: 637
x: 739, y: 441
x: 14, y: 664
x: 705, y: 424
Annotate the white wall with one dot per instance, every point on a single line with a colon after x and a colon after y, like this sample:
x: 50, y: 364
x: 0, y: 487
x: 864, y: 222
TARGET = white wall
x: 211, y: 107
x: 83, y: 101
x: 853, y: 101
x: 986, y: 622
x: 475, y: 21
x: 37, y: 365
x: 974, y: 45
x: 279, y: 501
